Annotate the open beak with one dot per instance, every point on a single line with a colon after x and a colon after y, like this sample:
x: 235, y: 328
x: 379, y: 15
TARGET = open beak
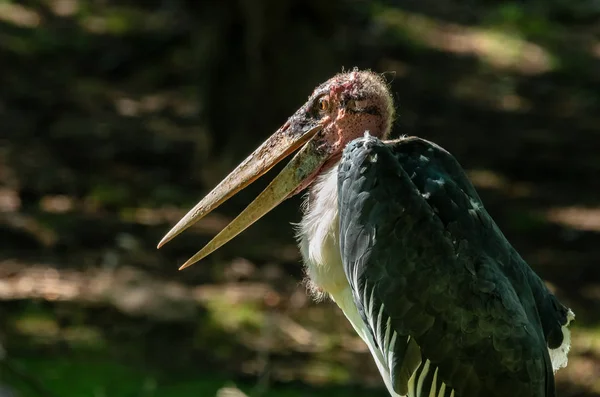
x: 297, y: 131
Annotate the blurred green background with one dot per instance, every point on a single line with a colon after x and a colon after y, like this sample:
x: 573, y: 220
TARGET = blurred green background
x: 117, y: 116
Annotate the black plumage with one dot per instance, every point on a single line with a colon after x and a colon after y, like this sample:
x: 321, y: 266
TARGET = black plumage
x: 435, y: 280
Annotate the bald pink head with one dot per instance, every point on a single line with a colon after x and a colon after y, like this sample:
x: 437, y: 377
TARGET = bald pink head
x: 348, y: 105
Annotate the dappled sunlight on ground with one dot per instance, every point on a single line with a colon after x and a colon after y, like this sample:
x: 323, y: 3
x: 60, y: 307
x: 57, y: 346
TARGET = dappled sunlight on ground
x: 578, y: 218
x: 232, y: 306
x: 19, y: 15
x: 488, y: 179
x: 596, y: 50
x: 64, y: 8
x: 500, y: 49
x: 258, y: 317
x: 262, y: 319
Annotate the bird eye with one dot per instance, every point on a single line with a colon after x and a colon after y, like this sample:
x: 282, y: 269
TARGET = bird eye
x: 323, y: 104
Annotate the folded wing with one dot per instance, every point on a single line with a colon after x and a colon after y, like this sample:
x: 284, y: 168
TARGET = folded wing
x: 450, y: 304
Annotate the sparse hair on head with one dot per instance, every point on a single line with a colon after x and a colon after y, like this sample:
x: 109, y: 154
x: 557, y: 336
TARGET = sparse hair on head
x: 369, y: 82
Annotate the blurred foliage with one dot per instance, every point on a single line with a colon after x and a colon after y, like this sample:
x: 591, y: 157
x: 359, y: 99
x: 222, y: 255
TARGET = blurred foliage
x: 107, y: 378
x: 118, y: 115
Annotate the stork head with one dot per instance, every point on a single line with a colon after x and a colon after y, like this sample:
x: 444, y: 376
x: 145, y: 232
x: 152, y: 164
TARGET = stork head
x: 338, y: 111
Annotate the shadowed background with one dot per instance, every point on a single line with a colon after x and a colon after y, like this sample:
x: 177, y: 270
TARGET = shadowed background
x: 117, y: 116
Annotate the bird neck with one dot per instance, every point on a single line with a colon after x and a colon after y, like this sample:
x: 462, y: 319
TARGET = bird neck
x: 318, y: 236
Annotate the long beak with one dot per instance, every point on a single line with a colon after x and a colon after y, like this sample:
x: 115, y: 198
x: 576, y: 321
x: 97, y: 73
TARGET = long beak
x: 279, y: 145
x: 304, y: 165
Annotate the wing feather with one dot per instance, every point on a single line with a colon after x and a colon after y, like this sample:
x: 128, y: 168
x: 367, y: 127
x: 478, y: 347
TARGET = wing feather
x: 450, y: 304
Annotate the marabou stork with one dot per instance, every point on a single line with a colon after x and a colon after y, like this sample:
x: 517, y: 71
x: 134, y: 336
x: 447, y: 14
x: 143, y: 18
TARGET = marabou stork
x: 394, y: 232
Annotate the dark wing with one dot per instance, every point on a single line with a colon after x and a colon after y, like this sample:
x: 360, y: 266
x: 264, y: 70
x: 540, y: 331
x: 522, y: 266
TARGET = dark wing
x: 447, y: 299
